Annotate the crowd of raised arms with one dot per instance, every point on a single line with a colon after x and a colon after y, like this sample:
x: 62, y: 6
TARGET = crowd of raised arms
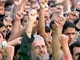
x: 39, y: 29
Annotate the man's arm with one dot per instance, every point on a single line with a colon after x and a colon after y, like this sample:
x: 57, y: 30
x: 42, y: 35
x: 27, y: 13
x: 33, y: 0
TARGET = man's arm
x: 25, y: 48
x: 66, y: 5
x: 59, y: 22
x: 64, y: 42
x: 9, y: 52
x: 19, y: 15
x: 41, y: 22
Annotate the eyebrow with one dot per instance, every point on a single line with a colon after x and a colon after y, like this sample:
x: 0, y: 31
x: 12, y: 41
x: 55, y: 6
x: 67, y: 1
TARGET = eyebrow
x: 77, y: 53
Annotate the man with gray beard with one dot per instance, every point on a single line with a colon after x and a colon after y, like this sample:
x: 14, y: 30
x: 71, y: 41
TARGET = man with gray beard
x: 39, y: 51
x: 34, y: 44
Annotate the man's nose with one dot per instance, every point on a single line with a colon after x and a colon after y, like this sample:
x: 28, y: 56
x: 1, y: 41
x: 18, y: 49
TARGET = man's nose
x: 41, y: 49
x: 71, y: 36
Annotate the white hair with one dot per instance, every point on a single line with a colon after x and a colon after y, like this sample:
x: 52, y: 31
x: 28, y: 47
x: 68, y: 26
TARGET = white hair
x: 39, y: 37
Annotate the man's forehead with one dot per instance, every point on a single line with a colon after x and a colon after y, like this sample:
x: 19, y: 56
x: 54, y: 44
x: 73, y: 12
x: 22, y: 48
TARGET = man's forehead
x: 38, y: 42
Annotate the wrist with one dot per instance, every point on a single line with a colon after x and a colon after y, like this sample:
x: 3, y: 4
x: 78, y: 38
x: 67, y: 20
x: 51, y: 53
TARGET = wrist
x: 42, y: 8
x: 9, y: 57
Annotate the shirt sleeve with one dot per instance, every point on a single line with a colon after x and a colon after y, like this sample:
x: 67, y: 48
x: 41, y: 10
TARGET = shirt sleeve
x: 25, y: 48
x: 68, y: 57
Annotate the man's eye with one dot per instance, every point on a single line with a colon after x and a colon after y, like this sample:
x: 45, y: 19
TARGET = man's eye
x: 43, y: 46
x: 37, y: 48
x: 4, y: 31
x: 67, y: 33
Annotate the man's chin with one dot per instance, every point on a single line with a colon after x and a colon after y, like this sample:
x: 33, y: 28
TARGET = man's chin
x: 42, y: 56
x: 7, y: 35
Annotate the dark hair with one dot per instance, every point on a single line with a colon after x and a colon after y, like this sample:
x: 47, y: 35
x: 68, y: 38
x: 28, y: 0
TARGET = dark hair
x: 17, y: 47
x: 7, y: 3
x: 47, y: 29
x: 76, y: 44
x: 68, y: 24
x: 23, y: 17
x: 54, y: 5
x: 2, y: 34
x: 52, y: 22
x: 50, y: 2
x: 1, y: 24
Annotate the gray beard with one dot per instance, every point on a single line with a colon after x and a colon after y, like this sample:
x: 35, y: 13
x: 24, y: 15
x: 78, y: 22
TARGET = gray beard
x: 37, y: 58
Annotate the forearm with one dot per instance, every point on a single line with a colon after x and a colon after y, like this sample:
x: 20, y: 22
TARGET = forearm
x: 54, y: 16
x: 9, y: 57
x: 17, y: 34
x: 23, y: 4
x: 66, y: 5
x: 41, y: 23
x: 12, y: 43
x: 29, y: 28
x: 57, y: 55
x: 34, y: 30
x: 15, y: 27
x: 66, y: 49
x: 15, y: 9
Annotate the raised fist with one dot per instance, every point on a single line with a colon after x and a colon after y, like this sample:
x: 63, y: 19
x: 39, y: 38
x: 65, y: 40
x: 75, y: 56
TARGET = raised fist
x: 32, y: 15
x: 63, y: 39
x: 59, y: 21
x: 7, y: 20
x: 19, y: 15
x: 74, y: 15
x: 43, y: 3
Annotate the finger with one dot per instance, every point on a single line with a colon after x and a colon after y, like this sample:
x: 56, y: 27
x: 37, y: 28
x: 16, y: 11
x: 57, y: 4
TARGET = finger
x: 60, y: 36
x: 50, y: 33
x: 20, y: 38
x: 22, y: 7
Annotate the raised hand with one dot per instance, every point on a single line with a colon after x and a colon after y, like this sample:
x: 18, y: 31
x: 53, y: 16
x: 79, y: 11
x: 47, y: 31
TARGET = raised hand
x: 59, y: 21
x: 18, y: 40
x: 32, y: 15
x: 49, y: 40
x: 63, y: 39
x: 6, y: 20
x: 17, y: 2
x: 73, y: 16
x: 19, y: 15
x: 9, y: 51
x: 43, y: 3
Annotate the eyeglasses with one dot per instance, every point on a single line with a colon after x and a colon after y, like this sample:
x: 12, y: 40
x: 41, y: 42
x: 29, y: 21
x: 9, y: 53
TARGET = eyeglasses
x: 39, y: 48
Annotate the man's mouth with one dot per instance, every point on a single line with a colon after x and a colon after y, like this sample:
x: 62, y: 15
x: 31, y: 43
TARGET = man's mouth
x: 42, y: 54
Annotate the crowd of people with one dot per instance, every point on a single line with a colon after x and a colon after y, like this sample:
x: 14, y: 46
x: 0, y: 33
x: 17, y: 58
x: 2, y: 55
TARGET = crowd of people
x: 39, y: 29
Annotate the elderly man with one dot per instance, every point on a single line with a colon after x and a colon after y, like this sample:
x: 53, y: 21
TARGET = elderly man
x: 32, y: 48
